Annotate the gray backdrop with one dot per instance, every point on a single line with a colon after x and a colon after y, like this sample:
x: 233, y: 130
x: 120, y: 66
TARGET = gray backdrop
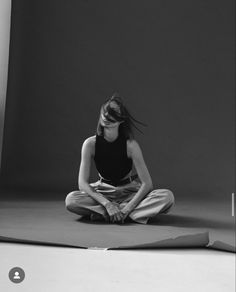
x: 172, y: 61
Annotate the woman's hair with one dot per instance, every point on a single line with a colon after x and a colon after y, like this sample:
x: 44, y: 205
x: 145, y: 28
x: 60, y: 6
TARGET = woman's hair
x: 118, y: 113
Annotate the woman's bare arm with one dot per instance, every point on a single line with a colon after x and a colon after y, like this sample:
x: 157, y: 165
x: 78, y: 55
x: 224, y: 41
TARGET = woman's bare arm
x: 143, y: 173
x: 87, y: 153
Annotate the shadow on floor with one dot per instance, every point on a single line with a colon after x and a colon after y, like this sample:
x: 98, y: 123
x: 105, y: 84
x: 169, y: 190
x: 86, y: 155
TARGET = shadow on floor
x: 172, y: 220
x: 189, y: 221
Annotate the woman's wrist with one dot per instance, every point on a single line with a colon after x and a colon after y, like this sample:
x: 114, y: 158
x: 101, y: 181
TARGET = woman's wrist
x: 107, y: 203
x: 127, y: 209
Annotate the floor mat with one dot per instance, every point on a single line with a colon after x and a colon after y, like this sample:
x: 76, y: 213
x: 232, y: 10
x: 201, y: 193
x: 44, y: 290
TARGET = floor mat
x: 48, y: 222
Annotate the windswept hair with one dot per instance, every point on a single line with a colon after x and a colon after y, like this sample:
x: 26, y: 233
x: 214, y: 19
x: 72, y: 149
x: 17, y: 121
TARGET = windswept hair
x: 123, y: 115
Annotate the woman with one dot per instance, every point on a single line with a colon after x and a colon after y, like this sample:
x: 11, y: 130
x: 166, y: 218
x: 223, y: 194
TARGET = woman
x: 118, y: 195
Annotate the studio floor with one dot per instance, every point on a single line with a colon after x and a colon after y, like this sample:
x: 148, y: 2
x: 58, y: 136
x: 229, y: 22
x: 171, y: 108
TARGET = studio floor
x: 74, y: 269
x: 190, y: 223
x: 192, y: 248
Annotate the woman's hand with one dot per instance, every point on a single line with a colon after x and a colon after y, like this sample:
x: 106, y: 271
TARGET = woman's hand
x: 114, y: 212
x: 125, y: 212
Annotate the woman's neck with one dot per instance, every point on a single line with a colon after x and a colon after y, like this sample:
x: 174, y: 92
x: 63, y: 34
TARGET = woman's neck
x: 110, y: 134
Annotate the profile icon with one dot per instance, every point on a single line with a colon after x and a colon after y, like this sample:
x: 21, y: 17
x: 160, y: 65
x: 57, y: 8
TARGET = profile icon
x: 16, y: 275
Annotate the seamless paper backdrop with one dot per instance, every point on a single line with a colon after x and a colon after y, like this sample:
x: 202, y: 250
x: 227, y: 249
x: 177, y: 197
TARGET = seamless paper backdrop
x: 172, y: 61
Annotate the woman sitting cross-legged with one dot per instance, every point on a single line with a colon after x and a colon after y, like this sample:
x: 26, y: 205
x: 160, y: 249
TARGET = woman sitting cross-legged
x: 119, y: 194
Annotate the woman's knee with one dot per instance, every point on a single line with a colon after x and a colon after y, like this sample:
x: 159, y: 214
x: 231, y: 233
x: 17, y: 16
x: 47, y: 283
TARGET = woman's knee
x: 76, y: 201
x: 169, y: 196
x: 71, y: 198
x: 165, y: 194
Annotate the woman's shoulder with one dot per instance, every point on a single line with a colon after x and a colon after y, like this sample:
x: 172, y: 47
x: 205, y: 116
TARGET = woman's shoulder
x: 90, y: 141
x: 89, y: 145
x: 132, y: 145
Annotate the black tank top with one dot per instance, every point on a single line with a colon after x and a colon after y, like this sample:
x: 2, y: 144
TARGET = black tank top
x: 111, y: 158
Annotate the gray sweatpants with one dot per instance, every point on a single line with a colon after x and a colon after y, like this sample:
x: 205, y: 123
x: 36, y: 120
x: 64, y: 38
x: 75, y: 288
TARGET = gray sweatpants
x: 156, y: 202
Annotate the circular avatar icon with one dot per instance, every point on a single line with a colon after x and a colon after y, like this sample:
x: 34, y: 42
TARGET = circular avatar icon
x: 16, y: 275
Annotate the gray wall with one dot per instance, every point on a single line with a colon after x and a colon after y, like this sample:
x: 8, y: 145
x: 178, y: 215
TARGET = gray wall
x: 172, y: 61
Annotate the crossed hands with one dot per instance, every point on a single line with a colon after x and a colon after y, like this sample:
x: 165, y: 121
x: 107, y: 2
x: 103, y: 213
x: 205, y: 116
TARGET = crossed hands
x: 116, y: 213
